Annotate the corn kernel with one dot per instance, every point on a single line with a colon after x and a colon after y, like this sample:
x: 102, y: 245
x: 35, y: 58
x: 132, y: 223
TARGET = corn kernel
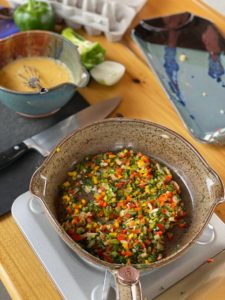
x: 95, y: 180
x: 116, y: 224
x: 66, y: 184
x: 72, y: 174
x: 57, y: 149
x: 83, y: 201
x: 76, y: 211
x: 147, y: 190
x: 183, y: 57
x: 125, y: 245
x: 141, y: 163
x: 66, y: 198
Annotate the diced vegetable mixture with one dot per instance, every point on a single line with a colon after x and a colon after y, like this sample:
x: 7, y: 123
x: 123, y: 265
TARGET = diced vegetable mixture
x: 122, y: 206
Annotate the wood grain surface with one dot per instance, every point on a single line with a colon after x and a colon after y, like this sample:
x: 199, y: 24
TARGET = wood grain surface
x: 143, y: 98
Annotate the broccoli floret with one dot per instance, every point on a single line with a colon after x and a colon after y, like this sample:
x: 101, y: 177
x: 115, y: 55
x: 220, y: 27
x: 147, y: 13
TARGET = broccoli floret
x: 91, y: 53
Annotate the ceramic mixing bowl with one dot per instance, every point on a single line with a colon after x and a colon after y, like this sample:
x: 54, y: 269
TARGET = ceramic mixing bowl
x: 201, y: 188
x: 48, y: 44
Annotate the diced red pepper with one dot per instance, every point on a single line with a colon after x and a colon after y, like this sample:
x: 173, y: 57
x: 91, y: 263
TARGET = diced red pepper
x: 169, y: 194
x: 149, y: 176
x: 148, y: 242
x: 182, y: 225
x: 129, y: 198
x: 173, y: 204
x: 143, y: 246
x: 119, y: 185
x: 127, y: 253
x: 75, y: 221
x: 107, y: 258
x: 102, y: 203
x: 169, y: 235
x: 145, y: 159
x: 70, y: 231
x: 168, y: 178
x: 159, y: 232
x: 162, y: 199
x: 160, y: 226
x: 121, y: 237
x: 183, y: 214
x: 75, y: 236
x: 119, y: 171
x: 69, y: 210
x: 137, y: 208
x: 101, y: 213
x: 111, y: 216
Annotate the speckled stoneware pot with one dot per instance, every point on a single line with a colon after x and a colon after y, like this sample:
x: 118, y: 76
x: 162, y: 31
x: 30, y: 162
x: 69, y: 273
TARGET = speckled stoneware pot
x: 201, y: 188
x: 47, y: 44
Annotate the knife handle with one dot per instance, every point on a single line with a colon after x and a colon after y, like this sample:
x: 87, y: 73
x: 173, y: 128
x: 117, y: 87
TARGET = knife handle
x: 10, y: 155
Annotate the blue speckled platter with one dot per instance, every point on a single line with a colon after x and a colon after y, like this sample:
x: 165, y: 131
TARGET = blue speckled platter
x: 189, y: 59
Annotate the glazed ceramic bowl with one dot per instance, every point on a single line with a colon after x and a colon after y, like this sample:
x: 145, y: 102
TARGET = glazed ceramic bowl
x: 201, y: 188
x: 41, y: 43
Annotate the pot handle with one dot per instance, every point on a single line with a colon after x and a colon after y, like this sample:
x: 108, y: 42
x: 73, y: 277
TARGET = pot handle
x: 220, y: 200
x: 38, y: 184
x: 128, y: 286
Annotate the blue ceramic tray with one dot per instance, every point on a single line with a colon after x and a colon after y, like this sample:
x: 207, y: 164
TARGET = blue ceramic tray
x: 187, y: 54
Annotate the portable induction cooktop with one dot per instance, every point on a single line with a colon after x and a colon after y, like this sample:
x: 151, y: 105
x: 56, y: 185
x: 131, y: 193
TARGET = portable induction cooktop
x: 77, y: 279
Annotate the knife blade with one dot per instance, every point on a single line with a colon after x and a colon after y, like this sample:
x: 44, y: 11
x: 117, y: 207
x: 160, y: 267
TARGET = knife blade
x: 45, y: 141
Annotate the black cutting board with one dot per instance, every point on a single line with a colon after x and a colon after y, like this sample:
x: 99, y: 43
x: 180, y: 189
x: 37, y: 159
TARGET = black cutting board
x: 14, y: 180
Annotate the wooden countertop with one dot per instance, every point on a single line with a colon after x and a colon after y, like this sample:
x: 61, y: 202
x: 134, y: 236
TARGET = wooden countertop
x: 20, y: 270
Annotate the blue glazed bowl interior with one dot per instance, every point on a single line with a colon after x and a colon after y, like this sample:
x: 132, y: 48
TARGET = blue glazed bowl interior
x: 48, y: 44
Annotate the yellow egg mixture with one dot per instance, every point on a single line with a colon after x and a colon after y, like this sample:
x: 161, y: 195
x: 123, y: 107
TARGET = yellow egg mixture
x: 50, y: 72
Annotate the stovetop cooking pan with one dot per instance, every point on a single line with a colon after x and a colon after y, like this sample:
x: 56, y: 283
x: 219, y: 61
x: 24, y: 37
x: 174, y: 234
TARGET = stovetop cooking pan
x: 201, y: 188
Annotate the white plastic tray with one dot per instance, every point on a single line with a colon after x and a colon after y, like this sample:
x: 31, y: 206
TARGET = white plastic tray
x: 217, y: 5
x: 76, y: 279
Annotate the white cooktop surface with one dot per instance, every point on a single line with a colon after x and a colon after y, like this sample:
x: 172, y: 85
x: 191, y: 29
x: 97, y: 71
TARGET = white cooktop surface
x: 218, y: 5
x: 76, y: 279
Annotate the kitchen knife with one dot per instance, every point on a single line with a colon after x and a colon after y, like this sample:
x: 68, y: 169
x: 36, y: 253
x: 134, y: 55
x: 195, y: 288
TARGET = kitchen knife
x: 46, y: 141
